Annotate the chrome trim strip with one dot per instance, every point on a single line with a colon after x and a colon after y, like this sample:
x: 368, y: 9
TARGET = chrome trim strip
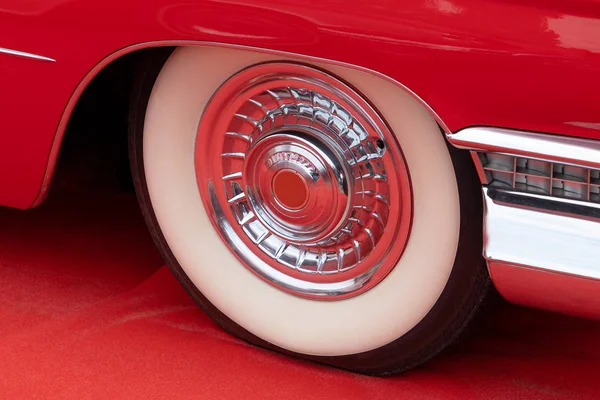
x: 535, y: 231
x: 559, y: 149
x: 24, y: 54
x: 62, y: 125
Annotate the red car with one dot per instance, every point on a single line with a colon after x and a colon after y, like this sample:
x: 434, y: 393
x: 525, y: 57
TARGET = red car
x: 339, y: 181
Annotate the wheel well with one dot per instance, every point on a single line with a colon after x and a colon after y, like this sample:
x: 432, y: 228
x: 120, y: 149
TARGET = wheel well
x: 93, y: 152
x: 94, y: 155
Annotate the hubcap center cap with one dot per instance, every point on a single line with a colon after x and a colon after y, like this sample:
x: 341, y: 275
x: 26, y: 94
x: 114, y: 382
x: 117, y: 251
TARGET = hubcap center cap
x: 290, y: 189
x: 297, y: 185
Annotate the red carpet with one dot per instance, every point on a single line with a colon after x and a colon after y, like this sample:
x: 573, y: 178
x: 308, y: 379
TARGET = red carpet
x: 88, y: 311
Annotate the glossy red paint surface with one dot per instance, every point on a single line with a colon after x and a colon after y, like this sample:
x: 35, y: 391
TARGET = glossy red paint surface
x: 521, y: 64
x: 547, y: 290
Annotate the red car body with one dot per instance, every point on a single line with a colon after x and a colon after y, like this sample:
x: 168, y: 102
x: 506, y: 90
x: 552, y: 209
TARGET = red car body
x: 525, y: 65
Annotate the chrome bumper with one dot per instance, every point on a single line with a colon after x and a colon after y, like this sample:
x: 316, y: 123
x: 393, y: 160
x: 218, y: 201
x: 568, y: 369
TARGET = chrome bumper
x: 557, y: 235
x: 542, y: 250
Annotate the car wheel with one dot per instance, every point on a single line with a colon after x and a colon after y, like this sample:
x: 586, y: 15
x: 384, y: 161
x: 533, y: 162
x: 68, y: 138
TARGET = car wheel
x: 308, y: 208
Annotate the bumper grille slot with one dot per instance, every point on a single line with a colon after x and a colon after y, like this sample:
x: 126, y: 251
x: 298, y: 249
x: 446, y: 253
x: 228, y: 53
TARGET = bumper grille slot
x: 539, y: 176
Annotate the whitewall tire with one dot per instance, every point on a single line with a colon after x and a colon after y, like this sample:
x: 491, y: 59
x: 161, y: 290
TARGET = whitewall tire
x: 433, y: 285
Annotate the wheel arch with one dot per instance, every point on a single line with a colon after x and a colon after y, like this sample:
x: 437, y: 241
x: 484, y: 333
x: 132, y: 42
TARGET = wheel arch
x: 125, y: 60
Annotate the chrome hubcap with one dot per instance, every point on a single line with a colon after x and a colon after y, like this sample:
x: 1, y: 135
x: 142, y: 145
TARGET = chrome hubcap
x: 303, y: 181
